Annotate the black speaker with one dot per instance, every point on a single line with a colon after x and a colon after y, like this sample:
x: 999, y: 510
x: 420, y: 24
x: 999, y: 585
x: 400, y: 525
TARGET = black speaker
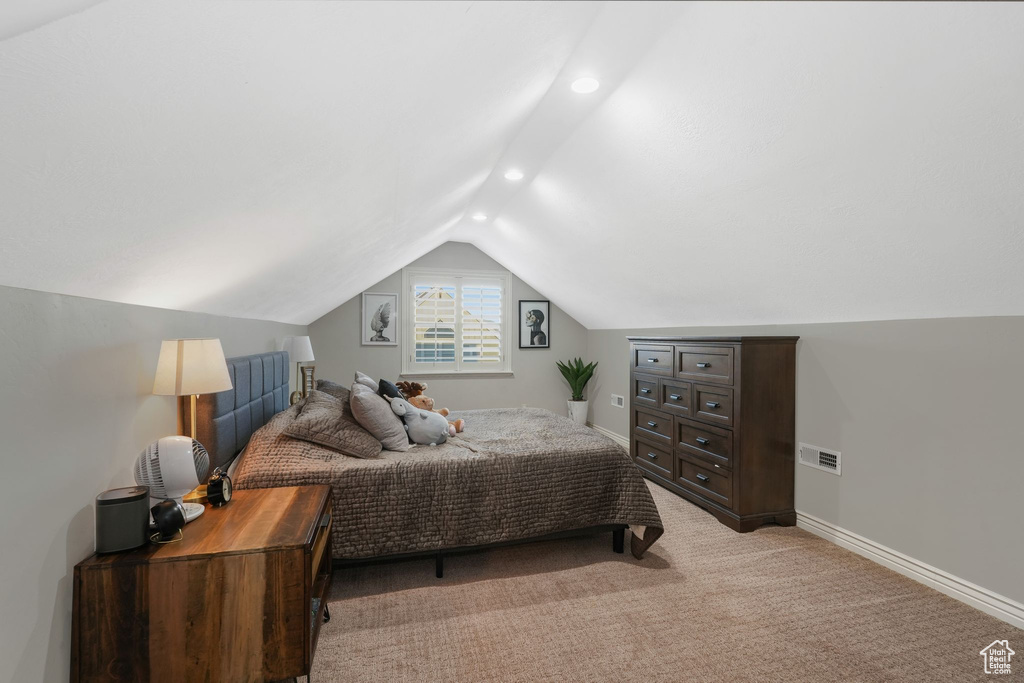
x: 169, y: 518
x: 122, y: 519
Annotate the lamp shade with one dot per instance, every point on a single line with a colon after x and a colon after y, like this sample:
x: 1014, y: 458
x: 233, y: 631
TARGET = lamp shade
x: 191, y: 366
x: 299, y: 349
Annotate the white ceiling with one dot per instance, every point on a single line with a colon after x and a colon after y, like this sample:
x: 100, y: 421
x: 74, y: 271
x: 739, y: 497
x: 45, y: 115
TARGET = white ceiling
x: 742, y: 163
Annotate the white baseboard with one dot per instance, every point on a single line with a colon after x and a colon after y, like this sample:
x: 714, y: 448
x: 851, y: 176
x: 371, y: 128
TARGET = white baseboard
x: 617, y: 438
x: 999, y: 606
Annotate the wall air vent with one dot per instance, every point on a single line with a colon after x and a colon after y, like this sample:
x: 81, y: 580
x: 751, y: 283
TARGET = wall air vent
x: 820, y: 458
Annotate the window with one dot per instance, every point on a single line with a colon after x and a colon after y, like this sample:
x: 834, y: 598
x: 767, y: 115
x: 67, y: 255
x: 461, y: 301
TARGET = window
x: 455, y: 322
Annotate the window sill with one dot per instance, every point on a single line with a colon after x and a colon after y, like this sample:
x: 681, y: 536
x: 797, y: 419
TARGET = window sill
x: 443, y: 374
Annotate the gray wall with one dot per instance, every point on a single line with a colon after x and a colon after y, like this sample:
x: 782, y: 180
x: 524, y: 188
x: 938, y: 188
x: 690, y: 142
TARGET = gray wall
x: 536, y: 381
x: 927, y: 414
x: 75, y: 410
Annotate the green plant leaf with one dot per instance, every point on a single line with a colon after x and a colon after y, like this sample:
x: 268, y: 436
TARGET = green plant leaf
x: 576, y: 375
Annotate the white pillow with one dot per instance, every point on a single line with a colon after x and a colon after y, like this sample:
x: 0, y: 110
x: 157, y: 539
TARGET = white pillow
x: 366, y: 381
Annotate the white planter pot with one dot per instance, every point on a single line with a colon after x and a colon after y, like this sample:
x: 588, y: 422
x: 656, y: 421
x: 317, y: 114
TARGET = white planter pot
x: 578, y: 411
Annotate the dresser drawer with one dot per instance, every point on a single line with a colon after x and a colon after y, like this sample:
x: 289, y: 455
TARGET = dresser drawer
x: 320, y: 543
x: 652, y: 425
x: 675, y: 397
x: 713, y: 404
x: 653, y: 459
x: 709, y: 481
x: 654, y: 359
x: 705, y: 441
x: 645, y: 391
x: 705, y: 363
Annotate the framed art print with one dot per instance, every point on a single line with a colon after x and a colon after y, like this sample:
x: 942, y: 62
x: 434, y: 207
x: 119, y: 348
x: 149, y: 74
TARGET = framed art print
x: 534, y: 324
x: 379, y: 320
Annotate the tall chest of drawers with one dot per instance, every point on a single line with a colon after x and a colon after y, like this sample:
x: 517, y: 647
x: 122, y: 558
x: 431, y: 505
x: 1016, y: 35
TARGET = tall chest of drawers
x: 713, y: 420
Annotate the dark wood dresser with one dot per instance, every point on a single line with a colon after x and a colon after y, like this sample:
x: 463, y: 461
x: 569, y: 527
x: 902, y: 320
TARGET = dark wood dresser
x: 240, y: 598
x: 713, y: 419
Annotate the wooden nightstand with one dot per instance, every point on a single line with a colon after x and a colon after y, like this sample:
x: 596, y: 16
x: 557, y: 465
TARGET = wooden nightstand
x: 241, y: 598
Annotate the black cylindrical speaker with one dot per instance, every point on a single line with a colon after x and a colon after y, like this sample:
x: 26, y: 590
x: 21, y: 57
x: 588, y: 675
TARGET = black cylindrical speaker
x: 122, y: 519
x: 169, y: 518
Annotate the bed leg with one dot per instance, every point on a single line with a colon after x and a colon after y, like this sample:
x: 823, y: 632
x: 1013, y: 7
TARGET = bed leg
x: 618, y: 536
x: 439, y: 566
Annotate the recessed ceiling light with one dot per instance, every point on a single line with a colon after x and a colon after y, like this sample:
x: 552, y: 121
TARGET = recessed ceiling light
x: 479, y: 216
x: 585, y: 85
x: 513, y: 174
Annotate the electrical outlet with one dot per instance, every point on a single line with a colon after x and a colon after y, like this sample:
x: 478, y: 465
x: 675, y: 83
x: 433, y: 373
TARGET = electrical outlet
x: 618, y: 401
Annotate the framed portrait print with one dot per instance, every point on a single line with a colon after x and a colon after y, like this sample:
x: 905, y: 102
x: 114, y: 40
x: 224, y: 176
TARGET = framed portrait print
x: 379, y: 319
x: 534, y: 324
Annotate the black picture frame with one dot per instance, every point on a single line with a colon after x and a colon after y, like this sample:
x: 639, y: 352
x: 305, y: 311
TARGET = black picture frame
x: 528, y: 330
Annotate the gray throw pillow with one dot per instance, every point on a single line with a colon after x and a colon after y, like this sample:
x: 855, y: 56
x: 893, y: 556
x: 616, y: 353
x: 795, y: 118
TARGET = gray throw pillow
x: 375, y: 415
x: 334, y: 389
x: 323, y: 420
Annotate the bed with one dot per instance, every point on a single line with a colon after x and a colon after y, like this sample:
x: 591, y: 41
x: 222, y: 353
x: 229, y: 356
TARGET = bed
x: 512, y: 475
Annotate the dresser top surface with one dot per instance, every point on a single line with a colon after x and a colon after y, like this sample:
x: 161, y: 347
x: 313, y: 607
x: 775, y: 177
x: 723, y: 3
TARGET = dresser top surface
x: 255, y: 520
x: 718, y: 340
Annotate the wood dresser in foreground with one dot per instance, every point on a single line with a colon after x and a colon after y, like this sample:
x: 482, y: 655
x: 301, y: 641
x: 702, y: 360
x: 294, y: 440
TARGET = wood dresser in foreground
x: 713, y: 419
x: 240, y: 598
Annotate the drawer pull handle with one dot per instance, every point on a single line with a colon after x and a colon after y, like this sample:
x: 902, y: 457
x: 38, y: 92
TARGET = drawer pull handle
x: 703, y: 365
x: 652, y: 360
x: 675, y: 397
x: 704, y: 478
x: 652, y: 425
x: 652, y: 456
x: 712, y: 404
x: 645, y: 391
x: 702, y: 441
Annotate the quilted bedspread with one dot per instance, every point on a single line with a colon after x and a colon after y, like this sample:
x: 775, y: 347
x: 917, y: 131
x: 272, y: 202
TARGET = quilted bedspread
x: 512, y: 474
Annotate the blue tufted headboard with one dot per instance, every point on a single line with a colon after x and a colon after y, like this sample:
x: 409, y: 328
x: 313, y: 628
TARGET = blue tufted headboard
x: 226, y: 420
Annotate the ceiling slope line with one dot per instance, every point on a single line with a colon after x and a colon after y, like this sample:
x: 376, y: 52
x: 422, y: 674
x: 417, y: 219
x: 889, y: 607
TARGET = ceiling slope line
x: 518, y: 132
x: 21, y: 18
x: 607, y: 52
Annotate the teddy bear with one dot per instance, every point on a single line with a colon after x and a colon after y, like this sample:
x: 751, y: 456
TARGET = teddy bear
x: 413, y: 392
x: 423, y: 426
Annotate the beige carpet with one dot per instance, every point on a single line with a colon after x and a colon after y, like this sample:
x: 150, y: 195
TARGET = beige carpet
x: 705, y: 604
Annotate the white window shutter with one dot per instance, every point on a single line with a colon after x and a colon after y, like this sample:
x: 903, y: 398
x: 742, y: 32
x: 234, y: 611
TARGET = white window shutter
x: 434, y: 322
x: 482, y: 323
x: 455, y: 322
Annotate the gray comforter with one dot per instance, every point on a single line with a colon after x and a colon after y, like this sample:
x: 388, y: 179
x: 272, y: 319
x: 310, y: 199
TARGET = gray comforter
x: 512, y: 474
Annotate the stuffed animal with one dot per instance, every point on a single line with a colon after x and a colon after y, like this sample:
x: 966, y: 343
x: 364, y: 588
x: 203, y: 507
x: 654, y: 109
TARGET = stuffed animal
x: 424, y: 427
x: 413, y: 392
x: 411, y: 389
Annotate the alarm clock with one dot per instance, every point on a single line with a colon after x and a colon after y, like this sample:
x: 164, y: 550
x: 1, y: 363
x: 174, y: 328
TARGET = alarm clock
x: 218, y: 489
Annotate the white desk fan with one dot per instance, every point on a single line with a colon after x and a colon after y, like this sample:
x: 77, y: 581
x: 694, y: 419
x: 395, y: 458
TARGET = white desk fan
x: 171, y: 467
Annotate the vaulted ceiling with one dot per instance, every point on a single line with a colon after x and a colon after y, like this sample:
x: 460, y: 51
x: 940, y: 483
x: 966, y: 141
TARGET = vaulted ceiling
x: 740, y: 162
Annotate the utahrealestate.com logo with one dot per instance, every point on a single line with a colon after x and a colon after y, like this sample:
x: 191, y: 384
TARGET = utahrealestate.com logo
x: 997, y: 657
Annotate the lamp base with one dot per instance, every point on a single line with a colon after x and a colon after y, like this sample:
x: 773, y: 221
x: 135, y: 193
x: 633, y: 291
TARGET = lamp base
x: 294, y: 398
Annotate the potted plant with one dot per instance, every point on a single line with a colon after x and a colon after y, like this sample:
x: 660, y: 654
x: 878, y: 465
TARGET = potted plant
x: 577, y: 375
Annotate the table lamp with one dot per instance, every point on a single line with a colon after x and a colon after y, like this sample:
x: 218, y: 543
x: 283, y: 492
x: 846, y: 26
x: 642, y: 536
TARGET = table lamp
x: 299, y: 350
x: 189, y: 367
